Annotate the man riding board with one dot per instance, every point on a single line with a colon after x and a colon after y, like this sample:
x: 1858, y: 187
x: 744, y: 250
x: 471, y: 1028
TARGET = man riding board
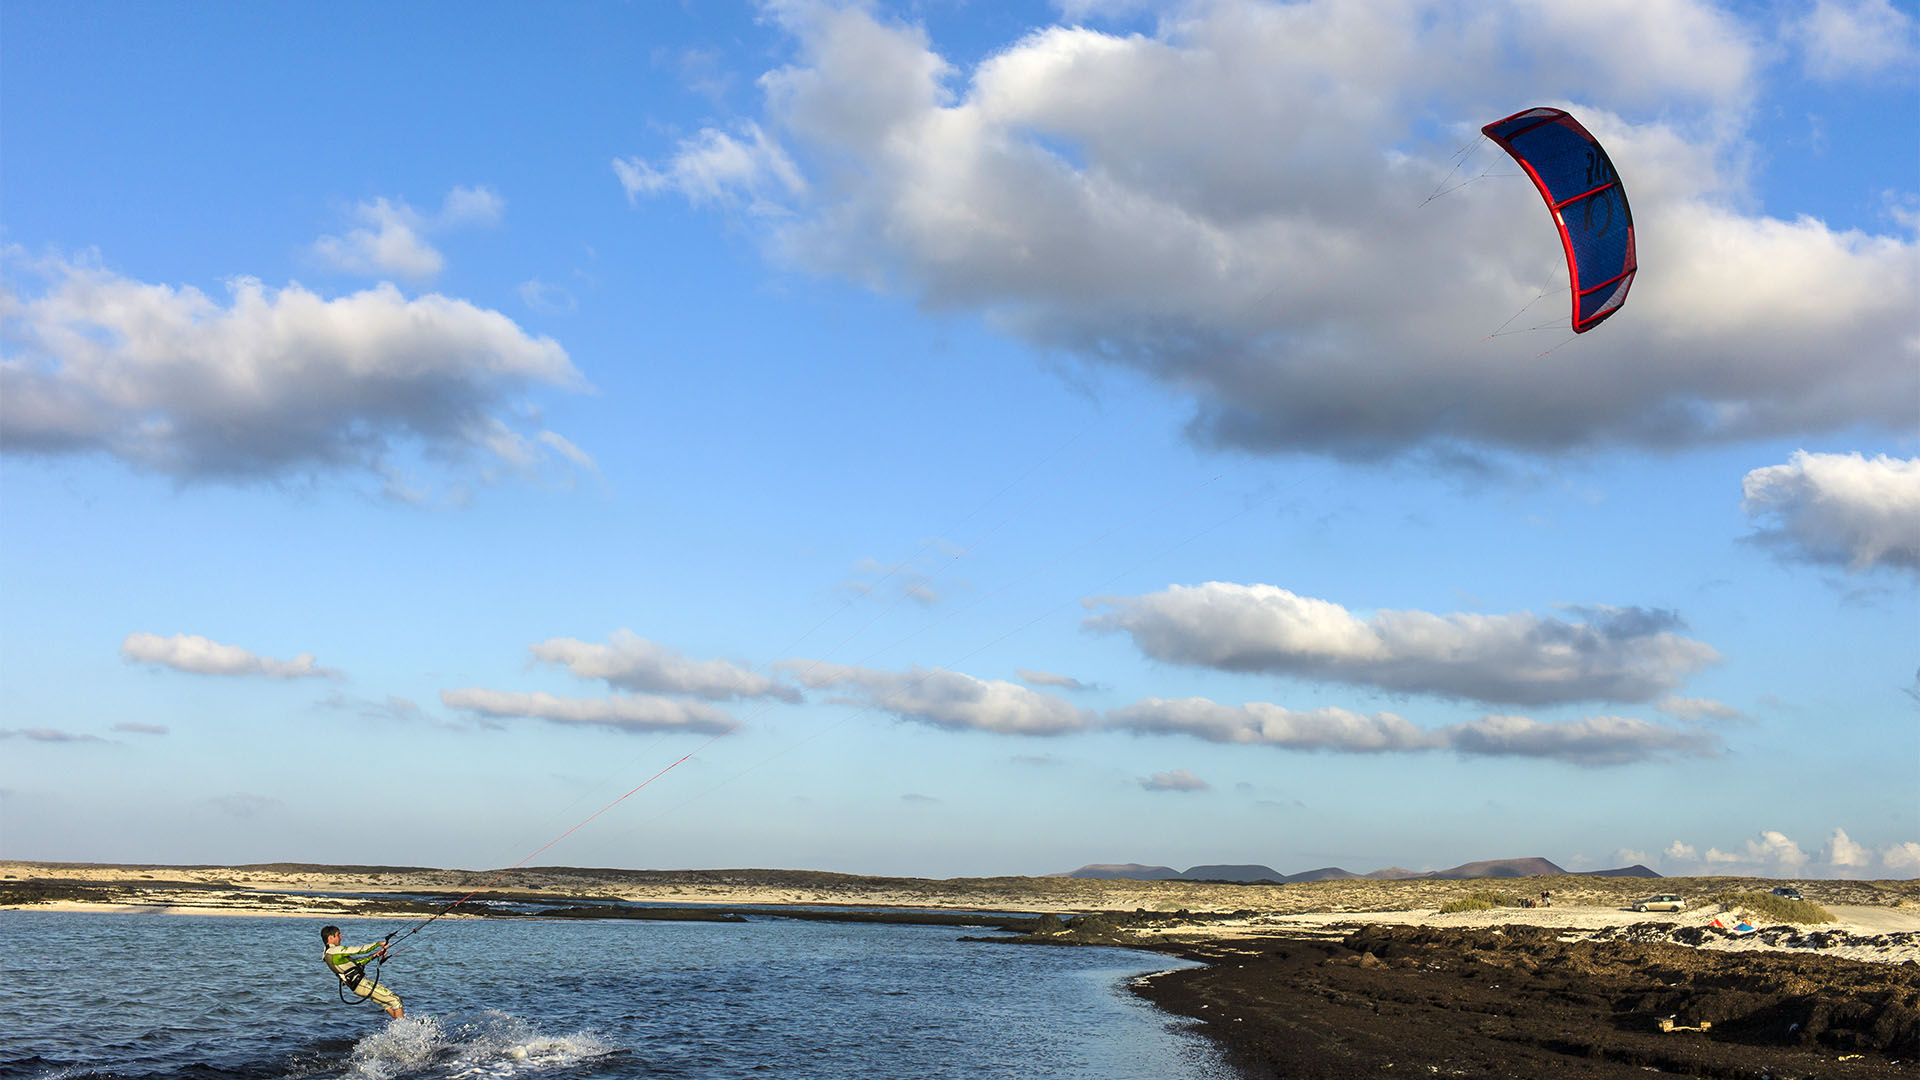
x: 349, y: 962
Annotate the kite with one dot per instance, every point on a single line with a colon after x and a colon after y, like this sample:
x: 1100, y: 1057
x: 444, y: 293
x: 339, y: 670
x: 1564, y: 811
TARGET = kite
x: 1588, y: 204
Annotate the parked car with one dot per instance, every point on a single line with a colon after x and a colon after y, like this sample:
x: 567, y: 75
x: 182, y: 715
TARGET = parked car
x: 1787, y: 892
x: 1661, y: 902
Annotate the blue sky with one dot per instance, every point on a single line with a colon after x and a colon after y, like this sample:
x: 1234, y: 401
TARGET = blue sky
x: 989, y: 439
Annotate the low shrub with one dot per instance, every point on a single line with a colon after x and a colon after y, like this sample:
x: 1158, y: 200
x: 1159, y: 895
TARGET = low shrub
x: 1777, y: 908
x: 1480, y: 901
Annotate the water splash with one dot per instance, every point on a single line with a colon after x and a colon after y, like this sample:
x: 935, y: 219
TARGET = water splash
x: 493, y: 1044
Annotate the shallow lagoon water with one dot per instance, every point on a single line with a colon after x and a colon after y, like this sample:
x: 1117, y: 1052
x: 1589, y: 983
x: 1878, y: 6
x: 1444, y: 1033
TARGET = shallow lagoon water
x: 121, y: 995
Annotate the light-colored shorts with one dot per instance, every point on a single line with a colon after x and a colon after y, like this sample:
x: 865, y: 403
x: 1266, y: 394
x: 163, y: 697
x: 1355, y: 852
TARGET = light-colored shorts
x: 381, y: 996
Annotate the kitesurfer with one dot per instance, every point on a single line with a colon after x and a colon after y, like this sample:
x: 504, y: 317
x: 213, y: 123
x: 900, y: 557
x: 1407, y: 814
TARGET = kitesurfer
x: 350, y: 963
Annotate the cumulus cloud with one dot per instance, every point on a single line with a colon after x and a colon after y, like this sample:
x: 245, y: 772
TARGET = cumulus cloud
x: 273, y: 383
x: 1173, y: 780
x: 1839, y: 509
x: 621, y: 712
x: 1097, y: 194
x: 1681, y: 852
x: 1844, y: 856
x: 631, y: 662
x: 390, y: 237
x: 1609, y: 654
x: 1901, y: 858
x: 1854, y: 39
x: 133, y: 728
x: 198, y: 655
x: 949, y: 699
x: 1771, y: 853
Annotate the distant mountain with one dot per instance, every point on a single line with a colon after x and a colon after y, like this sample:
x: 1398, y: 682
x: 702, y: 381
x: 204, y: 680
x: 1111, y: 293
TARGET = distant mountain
x: 1122, y: 871
x: 1636, y: 870
x: 1325, y: 873
x: 1254, y: 872
x: 1233, y: 872
x: 1499, y: 868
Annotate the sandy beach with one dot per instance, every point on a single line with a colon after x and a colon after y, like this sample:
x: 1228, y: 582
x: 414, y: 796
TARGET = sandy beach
x: 1336, y: 978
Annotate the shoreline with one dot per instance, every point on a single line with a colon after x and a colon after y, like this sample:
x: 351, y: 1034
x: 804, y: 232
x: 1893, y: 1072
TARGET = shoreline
x: 1325, y: 979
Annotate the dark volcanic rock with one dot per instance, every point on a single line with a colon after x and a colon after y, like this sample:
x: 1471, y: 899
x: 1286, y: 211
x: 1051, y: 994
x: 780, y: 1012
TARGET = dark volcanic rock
x: 1518, y: 1002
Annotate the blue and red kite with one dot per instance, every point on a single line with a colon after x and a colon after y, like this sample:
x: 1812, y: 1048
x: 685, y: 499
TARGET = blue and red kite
x: 1588, y: 204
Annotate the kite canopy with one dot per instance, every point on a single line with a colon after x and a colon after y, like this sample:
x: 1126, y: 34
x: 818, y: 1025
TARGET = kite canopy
x: 1588, y: 204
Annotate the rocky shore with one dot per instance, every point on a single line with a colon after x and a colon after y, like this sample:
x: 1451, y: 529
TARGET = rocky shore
x: 1520, y: 1002
x: 1323, y: 979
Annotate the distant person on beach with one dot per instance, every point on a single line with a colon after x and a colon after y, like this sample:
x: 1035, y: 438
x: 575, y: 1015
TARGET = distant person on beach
x: 350, y: 963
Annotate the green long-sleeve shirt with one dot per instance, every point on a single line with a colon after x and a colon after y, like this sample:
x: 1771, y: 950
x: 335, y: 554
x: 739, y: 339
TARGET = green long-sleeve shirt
x: 345, y: 960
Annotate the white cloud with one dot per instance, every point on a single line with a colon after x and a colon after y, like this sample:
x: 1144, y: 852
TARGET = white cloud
x: 948, y: 699
x: 1611, y: 654
x: 471, y: 206
x: 1679, y: 852
x: 631, y: 662
x: 1259, y: 723
x: 390, y: 238
x: 1842, y: 855
x: 547, y: 298
x: 1630, y: 857
x: 1034, y: 677
x: 1901, y: 857
x: 134, y: 728
x: 1769, y: 853
x: 1598, y: 740
x: 1099, y: 194
x: 621, y: 712
x: 1594, y: 740
x: 1174, y: 780
x: 198, y: 655
x: 1840, y: 509
x: 954, y: 701
x: 276, y: 382
x: 715, y: 167
x: 388, y: 243
x: 1855, y: 39
x: 1696, y: 709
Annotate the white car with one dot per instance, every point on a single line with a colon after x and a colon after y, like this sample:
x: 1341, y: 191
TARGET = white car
x: 1662, y: 902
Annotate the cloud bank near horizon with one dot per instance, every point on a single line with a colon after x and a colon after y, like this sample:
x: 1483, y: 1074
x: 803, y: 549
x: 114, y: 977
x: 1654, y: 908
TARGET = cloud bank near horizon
x: 954, y: 701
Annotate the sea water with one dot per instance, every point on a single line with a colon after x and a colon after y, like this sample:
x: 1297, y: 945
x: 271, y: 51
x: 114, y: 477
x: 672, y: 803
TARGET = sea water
x: 126, y: 995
